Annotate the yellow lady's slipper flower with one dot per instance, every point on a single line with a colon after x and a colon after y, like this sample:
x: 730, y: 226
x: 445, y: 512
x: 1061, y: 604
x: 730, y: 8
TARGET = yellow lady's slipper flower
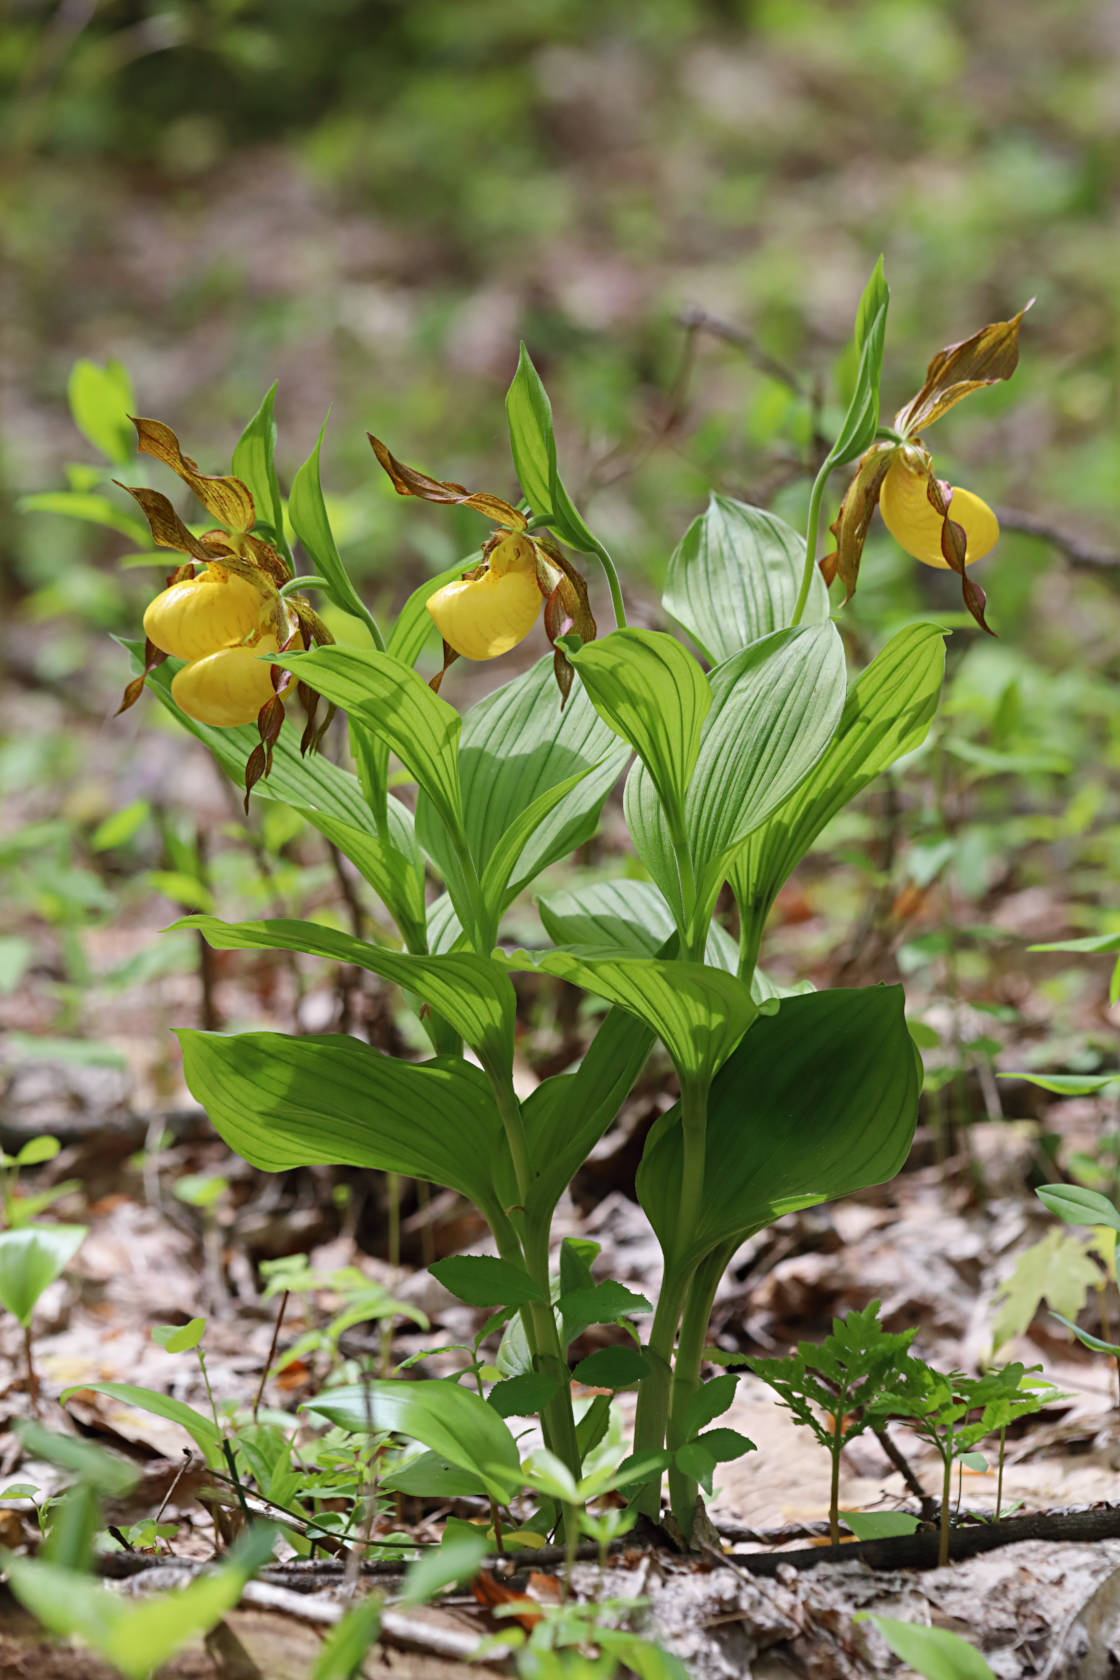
x: 230, y: 686
x: 225, y: 619
x: 493, y: 606
x: 198, y: 615
x: 914, y: 522
x: 933, y: 521
x: 484, y: 615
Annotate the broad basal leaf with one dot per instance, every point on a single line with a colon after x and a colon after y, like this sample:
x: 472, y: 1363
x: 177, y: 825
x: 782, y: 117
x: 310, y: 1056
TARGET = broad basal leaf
x: 282, y: 1101
x: 735, y: 578
x: 819, y: 1100
x: 472, y: 993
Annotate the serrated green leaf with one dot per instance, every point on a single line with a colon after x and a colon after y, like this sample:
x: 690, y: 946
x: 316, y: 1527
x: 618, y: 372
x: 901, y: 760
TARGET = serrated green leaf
x: 1057, y: 1270
x: 613, y: 1367
x: 735, y: 577
x: 710, y: 1401
x: 603, y: 1303
x: 523, y: 1396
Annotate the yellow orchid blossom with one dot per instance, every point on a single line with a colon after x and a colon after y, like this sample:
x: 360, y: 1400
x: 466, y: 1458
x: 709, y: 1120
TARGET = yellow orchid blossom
x: 485, y: 614
x: 224, y: 619
x: 495, y: 604
x: 935, y: 522
x: 914, y: 521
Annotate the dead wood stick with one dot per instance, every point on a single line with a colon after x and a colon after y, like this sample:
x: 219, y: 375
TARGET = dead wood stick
x: 397, y: 1626
x: 919, y: 1551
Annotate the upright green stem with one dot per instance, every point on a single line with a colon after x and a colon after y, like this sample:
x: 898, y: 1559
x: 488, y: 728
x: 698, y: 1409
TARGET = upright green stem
x: 683, y: 1491
x: 617, y: 603
x: 812, y: 526
x: 834, y: 1488
x: 651, y: 1421
x: 946, y: 1503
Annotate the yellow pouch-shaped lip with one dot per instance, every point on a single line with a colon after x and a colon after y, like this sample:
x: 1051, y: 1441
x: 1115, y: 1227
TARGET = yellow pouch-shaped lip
x: 228, y: 687
x: 484, y: 617
x: 916, y: 525
x: 204, y: 613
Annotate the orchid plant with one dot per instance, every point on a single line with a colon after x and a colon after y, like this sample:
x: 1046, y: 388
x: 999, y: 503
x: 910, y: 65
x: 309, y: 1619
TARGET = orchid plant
x: 734, y: 752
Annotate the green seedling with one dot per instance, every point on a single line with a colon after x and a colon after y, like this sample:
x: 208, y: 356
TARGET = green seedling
x: 940, y: 1406
x: 31, y: 1258
x: 16, y: 1206
x: 832, y: 1387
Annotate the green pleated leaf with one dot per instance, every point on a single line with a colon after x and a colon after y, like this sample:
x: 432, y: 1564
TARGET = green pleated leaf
x: 651, y: 691
x: 775, y: 707
x: 472, y: 993
x: 567, y: 1114
x: 308, y: 514
x: 282, y: 1101
x: 887, y: 713
x: 254, y: 463
x: 450, y: 1420
x: 623, y: 918
x: 391, y: 699
x: 392, y: 863
x: 649, y: 830
x: 534, y: 779
x: 819, y: 1100
x: 699, y: 1013
x: 735, y: 578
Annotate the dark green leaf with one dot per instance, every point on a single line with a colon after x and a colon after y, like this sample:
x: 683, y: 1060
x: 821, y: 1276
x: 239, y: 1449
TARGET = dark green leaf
x: 483, y: 1281
x: 819, y: 1100
x: 710, y: 1401
x: 613, y: 1367
x: 602, y: 1304
x: 428, y: 1476
x: 523, y: 1396
x: 1077, y: 1206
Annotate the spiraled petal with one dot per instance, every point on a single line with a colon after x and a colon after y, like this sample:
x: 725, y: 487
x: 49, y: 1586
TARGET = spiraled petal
x: 917, y: 526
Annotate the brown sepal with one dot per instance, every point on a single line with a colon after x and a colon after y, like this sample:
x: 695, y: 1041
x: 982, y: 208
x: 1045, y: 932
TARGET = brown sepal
x: 153, y: 656
x: 851, y: 524
x: 449, y: 658
x: 954, y: 545
x: 168, y: 530
x: 409, y: 481
x: 226, y: 499
x: 249, y: 556
x: 312, y: 735
x: 270, y: 721
x: 990, y: 355
x: 315, y: 632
